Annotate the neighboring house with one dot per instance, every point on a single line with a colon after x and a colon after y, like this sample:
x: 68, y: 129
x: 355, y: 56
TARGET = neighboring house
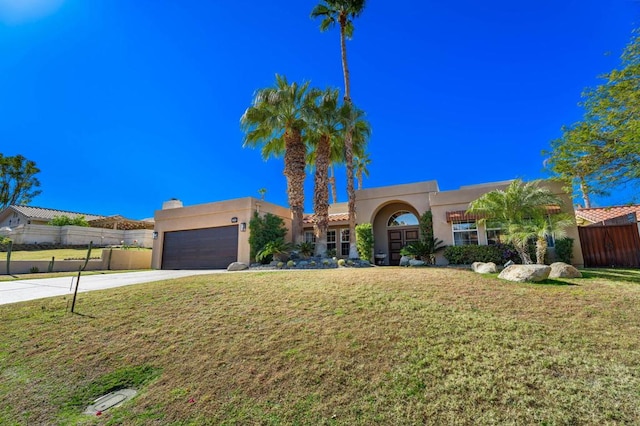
x: 14, y: 216
x: 614, y: 215
x: 215, y: 234
x: 29, y: 225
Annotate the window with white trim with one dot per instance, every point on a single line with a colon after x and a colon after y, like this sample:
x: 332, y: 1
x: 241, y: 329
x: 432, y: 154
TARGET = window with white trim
x: 310, y: 237
x: 465, y: 233
x: 344, y: 242
x: 495, y: 236
x: 331, y: 239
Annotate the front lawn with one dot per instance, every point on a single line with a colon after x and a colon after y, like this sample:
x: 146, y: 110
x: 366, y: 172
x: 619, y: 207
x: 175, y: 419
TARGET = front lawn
x: 345, y: 346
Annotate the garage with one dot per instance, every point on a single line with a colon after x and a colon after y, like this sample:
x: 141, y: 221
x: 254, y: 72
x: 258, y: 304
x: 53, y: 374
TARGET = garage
x: 206, y: 248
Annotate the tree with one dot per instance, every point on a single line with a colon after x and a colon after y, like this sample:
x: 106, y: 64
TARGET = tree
x: 342, y: 13
x: 275, y: 121
x: 603, y: 150
x: 18, y: 182
x: 264, y: 229
x: 325, y: 123
x: 362, y: 162
x: 518, y: 210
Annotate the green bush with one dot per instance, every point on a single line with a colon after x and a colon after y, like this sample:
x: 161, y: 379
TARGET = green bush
x: 466, y: 255
x: 264, y: 229
x: 341, y: 262
x: 364, y: 240
x: 277, y: 249
x: 564, y: 250
x: 66, y: 220
x: 305, y: 249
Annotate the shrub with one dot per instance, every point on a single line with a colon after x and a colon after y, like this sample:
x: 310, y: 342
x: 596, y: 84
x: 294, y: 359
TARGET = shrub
x: 364, y: 240
x: 564, y: 250
x: 424, y: 249
x: 34, y: 270
x: 341, y: 262
x: 291, y: 264
x: 305, y: 249
x: 264, y: 229
x: 331, y: 253
x: 466, y: 255
x: 65, y: 220
x: 278, y: 249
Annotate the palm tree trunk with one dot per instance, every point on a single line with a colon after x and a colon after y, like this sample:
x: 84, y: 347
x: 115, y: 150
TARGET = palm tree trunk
x: 348, y: 144
x: 541, y: 250
x: 332, y: 184
x: 359, y: 177
x: 321, y: 195
x: 294, y: 170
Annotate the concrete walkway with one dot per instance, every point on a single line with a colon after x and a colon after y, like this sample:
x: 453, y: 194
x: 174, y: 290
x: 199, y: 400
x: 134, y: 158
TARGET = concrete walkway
x: 21, y: 290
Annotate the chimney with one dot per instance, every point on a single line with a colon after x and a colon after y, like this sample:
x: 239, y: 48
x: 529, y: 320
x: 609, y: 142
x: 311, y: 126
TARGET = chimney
x: 173, y: 203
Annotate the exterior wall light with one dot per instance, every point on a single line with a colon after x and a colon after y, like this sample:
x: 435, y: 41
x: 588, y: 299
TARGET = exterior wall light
x: 155, y: 235
x: 243, y: 227
x: 234, y: 220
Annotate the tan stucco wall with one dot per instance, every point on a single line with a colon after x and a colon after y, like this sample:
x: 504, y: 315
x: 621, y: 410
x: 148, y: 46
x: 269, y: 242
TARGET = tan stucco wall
x: 214, y: 215
x: 442, y: 202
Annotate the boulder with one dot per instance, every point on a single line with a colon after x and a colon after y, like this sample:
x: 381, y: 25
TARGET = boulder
x: 404, y: 261
x: 522, y: 273
x: 237, y: 266
x: 564, y: 270
x: 415, y: 262
x: 484, y: 268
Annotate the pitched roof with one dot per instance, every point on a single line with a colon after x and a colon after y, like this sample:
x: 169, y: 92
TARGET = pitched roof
x: 48, y: 214
x: 600, y: 214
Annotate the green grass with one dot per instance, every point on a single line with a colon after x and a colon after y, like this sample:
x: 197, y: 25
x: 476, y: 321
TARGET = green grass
x: 59, y: 254
x: 351, y: 346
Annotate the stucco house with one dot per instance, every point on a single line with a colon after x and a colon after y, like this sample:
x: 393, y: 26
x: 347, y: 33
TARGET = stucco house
x: 215, y: 234
x: 30, y: 225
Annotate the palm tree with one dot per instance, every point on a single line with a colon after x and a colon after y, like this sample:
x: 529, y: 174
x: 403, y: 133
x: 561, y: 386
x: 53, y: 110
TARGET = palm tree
x: 545, y: 226
x: 342, y: 12
x: 275, y: 122
x: 325, y: 118
x: 362, y: 162
x: 519, y: 210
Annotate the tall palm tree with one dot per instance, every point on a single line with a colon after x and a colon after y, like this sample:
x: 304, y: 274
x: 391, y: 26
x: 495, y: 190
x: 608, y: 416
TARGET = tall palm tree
x: 362, y: 162
x: 342, y: 13
x: 325, y: 118
x: 517, y: 210
x: 275, y: 121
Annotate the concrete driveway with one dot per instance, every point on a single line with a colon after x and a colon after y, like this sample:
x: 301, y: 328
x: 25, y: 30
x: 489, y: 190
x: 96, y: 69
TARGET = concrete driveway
x: 21, y: 290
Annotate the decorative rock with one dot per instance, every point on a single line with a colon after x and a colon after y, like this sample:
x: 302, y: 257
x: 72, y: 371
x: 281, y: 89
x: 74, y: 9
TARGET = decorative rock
x: 484, y: 268
x: 404, y: 261
x: 415, y: 262
x: 237, y: 266
x: 523, y: 273
x: 564, y: 270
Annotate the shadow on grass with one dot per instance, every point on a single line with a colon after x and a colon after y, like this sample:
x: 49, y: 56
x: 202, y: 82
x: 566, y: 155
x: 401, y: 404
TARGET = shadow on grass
x: 627, y: 275
x: 551, y: 281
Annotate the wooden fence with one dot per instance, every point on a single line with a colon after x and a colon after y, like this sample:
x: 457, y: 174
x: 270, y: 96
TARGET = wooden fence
x: 610, y: 245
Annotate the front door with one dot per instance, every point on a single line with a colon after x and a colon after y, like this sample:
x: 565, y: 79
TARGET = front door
x: 399, y: 238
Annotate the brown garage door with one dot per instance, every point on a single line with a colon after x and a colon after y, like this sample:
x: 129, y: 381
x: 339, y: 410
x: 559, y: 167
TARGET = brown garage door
x: 207, y: 248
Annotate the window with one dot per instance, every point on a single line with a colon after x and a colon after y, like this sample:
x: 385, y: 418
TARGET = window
x: 344, y: 242
x: 403, y: 218
x: 465, y: 233
x: 331, y: 240
x: 494, y: 236
x: 310, y: 237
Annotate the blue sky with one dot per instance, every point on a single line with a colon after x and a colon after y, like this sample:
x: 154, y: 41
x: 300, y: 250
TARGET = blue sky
x: 125, y: 104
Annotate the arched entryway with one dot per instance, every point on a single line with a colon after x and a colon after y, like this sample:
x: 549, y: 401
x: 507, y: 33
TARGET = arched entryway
x: 395, y: 225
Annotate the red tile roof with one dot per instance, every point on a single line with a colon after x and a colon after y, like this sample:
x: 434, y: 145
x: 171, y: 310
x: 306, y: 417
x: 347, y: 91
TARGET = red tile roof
x: 336, y: 217
x: 462, y: 215
x: 600, y: 214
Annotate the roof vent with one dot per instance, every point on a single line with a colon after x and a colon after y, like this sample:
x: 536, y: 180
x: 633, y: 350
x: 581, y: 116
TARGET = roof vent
x: 173, y: 203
